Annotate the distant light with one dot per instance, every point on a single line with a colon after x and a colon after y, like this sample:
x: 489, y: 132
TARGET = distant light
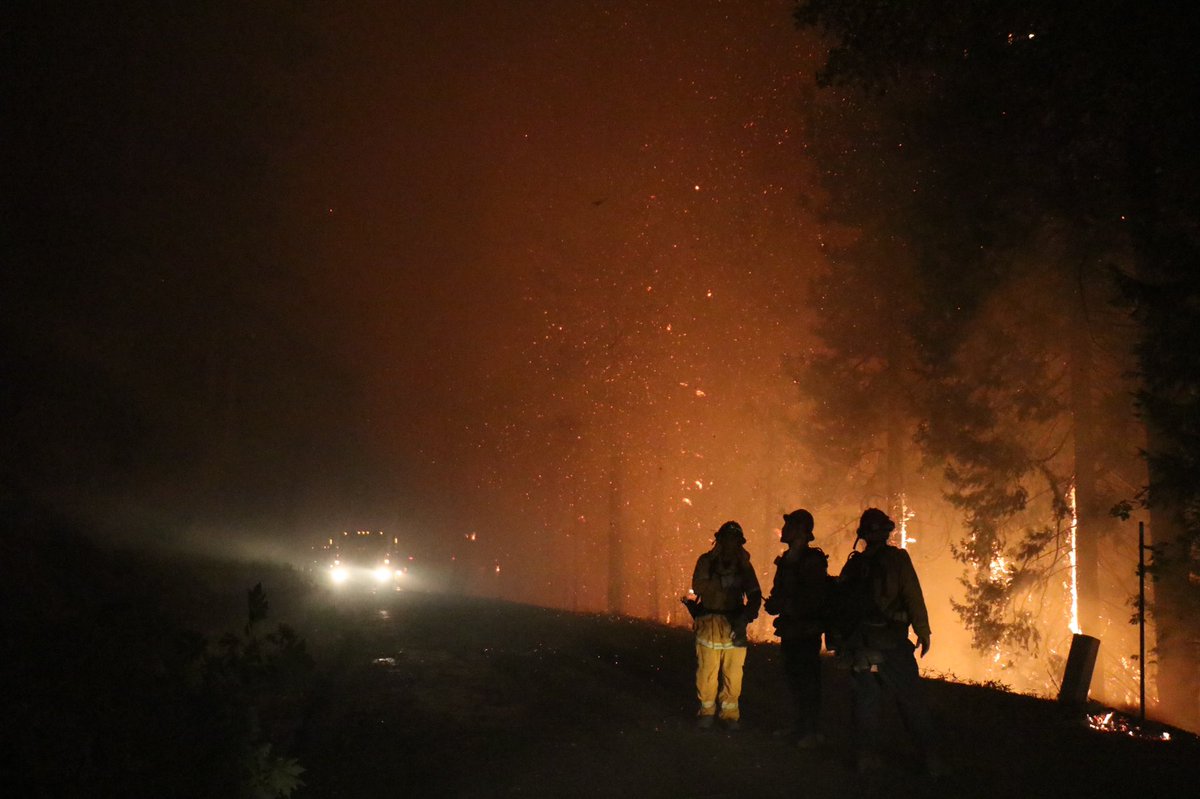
x: 696, y: 187
x: 383, y: 574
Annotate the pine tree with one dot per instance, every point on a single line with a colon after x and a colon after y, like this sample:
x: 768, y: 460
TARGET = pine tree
x: 1032, y: 125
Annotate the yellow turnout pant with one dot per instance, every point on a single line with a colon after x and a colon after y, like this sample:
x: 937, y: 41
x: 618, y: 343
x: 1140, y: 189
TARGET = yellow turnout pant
x: 718, y: 663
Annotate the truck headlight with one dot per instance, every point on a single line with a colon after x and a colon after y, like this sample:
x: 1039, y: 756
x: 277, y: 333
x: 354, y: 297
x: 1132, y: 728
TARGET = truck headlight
x: 339, y: 575
x: 383, y: 574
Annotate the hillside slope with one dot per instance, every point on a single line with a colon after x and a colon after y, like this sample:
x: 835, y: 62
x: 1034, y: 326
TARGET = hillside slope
x: 462, y: 697
x: 426, y: 695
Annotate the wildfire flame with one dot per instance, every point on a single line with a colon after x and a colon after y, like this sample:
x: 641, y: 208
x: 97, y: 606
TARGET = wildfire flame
x: 1074, y: 575
x: 906, y: 513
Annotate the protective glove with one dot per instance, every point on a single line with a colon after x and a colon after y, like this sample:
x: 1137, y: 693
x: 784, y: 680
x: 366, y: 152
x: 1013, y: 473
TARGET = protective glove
x: 923, y: 642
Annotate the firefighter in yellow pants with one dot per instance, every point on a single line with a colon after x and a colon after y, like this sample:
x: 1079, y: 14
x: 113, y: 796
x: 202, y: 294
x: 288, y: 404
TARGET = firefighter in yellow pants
x: 717, y: 657
x: 727, y: 599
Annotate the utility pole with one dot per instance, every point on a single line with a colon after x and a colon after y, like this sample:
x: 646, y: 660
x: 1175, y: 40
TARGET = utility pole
x: 1142, y: 621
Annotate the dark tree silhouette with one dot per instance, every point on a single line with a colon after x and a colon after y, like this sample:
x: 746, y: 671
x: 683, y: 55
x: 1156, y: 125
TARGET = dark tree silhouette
x: 1070, y: 124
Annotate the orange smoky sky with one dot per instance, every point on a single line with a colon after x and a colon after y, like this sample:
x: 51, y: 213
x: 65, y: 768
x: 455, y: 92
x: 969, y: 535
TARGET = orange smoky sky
x: 521, y: 283
x: 539, y: 223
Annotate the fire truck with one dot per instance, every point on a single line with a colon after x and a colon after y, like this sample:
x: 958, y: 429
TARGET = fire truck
x: 362, y: 559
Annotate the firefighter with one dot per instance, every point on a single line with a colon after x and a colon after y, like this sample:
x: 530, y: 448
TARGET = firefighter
x: 798, y: 600
x: 727, y: 598
x: 880, y: 587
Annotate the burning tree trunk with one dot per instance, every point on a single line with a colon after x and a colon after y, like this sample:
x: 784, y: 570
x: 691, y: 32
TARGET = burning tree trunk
x: 1092, y: 518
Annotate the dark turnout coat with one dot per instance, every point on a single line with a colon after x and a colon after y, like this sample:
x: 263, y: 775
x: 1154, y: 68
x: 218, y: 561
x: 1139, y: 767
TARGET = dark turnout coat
x: 800, y: 592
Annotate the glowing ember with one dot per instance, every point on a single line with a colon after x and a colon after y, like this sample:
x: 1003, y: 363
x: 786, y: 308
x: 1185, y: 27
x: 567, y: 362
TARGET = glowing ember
x: 1114, y: 723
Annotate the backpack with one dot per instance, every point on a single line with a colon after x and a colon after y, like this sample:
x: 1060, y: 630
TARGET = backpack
x: 855, y: 620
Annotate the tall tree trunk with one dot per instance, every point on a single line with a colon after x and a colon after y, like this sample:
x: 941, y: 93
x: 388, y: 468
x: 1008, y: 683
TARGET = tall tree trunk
x: 894, y: 463
x: 894, y: 480
x: 1177, y: 650
x: 1174, y: 606
x: 574, y: 544
x: 655, y: 538
x: 1092, y: 519
x: 616, y: 549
